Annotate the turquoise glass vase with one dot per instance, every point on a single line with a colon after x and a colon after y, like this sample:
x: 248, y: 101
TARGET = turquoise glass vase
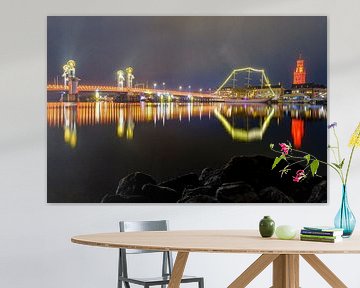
x: 345, y: 219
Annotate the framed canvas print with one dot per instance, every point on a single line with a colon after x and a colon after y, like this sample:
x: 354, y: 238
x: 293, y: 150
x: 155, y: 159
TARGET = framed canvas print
x: 184, y: 109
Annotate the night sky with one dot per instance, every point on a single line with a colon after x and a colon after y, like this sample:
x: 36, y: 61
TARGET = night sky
x: 196, y: 51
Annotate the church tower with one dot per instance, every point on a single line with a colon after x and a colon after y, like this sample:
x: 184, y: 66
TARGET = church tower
x: 299, y: 72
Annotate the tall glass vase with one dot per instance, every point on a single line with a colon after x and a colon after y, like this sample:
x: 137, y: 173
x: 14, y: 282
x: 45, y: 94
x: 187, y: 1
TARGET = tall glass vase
x: 345, y: 219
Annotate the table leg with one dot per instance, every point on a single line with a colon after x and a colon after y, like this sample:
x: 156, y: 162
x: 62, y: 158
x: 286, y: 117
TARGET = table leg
x: 324, y: 271
x: 178, y: 269
x: 286, y: 271
x: 253, y: 270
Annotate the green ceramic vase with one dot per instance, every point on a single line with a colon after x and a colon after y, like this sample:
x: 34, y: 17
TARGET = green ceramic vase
x: 267, y: 227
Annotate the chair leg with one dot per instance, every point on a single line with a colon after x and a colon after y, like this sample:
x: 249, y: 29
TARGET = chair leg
x: 201, y: 283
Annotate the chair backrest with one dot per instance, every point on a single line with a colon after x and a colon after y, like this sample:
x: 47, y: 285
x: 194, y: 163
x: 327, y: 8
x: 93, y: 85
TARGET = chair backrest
x: 134, y: 226
x: 137, y: 226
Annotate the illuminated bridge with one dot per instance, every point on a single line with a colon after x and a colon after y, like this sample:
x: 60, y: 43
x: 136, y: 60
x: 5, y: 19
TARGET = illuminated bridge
x: 115, y: 89
x: 125, y: 86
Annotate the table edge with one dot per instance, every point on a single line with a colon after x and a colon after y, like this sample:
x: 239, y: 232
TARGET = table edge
x: 203, y: 250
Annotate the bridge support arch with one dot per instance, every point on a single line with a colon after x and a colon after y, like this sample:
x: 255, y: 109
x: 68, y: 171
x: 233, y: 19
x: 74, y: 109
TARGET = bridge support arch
x: 265, y: 82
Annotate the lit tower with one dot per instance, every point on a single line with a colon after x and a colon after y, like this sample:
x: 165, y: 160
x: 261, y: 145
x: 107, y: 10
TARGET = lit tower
x: 299, y: 72
x: 120, y: 78
x: 70, y: 79
x: 65, y: 74
x: 71, y: 64
x: 129, y: 76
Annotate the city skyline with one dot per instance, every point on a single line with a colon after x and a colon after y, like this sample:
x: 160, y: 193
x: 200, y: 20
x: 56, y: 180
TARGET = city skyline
x: 174, y: 48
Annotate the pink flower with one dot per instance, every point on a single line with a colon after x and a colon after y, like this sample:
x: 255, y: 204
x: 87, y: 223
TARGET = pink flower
x: 284, y: 148
x: 300, y: 174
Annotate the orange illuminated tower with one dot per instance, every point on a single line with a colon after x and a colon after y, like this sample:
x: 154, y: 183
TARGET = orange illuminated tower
x: 299, y: 72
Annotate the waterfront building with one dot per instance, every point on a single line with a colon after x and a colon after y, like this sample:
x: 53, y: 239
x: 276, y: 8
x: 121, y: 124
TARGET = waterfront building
x: 313, y: 90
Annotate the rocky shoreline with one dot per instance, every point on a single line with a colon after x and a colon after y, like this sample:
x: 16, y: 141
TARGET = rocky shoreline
x: 244, y: 179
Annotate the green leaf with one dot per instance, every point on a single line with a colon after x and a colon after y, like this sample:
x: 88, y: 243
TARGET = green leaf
x: 277, y: 160
x: 336, y: 165
x: 314, y: 167
x: 339, y: 166
x: 271, y: 146
x: 307, y: 157
x: 342, y: 163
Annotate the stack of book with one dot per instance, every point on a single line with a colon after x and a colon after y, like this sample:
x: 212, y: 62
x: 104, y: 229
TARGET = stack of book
x: 321, y: 234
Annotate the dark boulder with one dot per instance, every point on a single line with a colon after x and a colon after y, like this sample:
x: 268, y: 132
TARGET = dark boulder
x: 244, y: 179
x: 319, y: 193
x: 256, y: 171
x: 239, y: 167
x: 133, y: 183
x: 236, y: 192
x: 211, y: 177
x: 205, y: 173
x: 274, y: 195
x: 202, y: 190
x: 159, y: 194
x: 112, y: 198
x: 182, y: 182
x: 301, y: 191
x: 199, y: 199
x: 199, y: 191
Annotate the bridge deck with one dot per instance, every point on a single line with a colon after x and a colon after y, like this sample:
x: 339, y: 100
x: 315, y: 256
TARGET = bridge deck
x: 93, y: 88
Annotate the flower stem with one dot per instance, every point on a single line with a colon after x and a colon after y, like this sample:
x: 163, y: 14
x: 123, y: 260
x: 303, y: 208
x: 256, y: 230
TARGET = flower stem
x: 296, y: 162
x: 348, y: 166
x: 351, y: 156
x: 338, y: 145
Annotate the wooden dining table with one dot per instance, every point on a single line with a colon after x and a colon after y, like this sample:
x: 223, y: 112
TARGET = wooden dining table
x: 283, y: 254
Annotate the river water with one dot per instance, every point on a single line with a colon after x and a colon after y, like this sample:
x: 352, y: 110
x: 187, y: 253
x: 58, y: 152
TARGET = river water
x: 91, y: 145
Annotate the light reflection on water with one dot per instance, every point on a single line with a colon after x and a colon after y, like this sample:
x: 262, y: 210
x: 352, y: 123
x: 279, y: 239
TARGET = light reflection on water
x: 244, y: 123
x: 91, y: 145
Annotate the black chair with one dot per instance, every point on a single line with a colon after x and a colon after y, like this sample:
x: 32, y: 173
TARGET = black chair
x: 167, y: 265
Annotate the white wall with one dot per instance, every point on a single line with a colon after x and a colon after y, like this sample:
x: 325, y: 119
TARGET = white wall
x: 35, y: 248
